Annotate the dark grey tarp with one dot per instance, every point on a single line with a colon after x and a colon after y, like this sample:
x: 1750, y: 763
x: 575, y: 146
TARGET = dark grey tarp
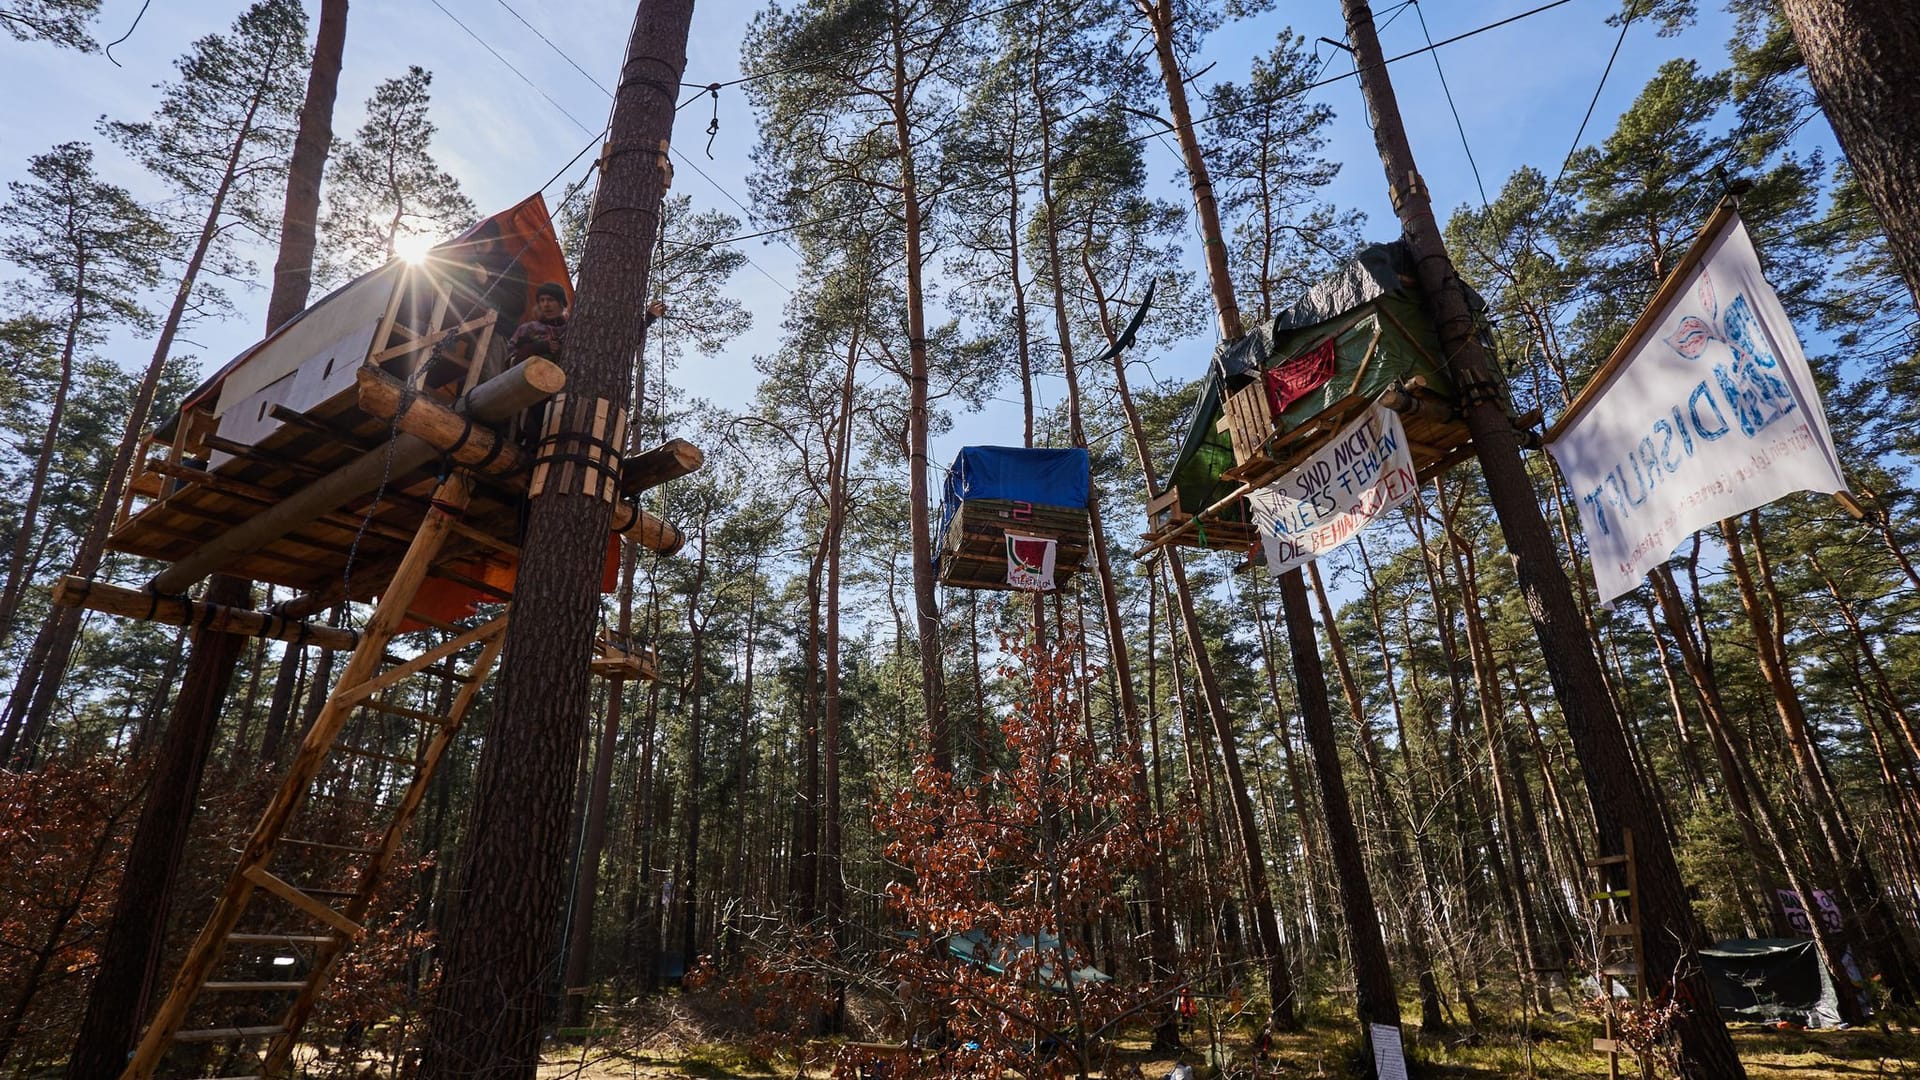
x: 1767, y: 980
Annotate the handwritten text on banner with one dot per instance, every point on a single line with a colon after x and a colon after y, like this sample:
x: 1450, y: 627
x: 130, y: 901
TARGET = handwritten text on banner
x: 1364, y: 472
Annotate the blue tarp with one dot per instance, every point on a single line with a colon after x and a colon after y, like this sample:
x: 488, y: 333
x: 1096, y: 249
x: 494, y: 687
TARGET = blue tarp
x: 1018, y: 474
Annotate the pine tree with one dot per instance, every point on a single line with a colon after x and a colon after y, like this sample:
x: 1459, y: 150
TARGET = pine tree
x: 1864, y: 57
x: 62, y: 22
x: 219, y: 141
x: 388, y: 192
x: 88, y: 250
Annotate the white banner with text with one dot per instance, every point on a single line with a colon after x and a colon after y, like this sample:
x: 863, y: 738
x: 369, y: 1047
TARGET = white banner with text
x: 1710, y: 413
x: 1364, y: 472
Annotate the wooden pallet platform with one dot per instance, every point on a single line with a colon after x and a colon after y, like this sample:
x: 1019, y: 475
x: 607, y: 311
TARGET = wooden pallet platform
x: 973, y: 553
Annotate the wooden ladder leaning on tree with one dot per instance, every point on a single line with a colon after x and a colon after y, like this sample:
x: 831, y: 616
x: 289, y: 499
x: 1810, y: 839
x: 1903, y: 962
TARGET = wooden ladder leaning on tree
x: 389, y: 718
x: 364, y: 703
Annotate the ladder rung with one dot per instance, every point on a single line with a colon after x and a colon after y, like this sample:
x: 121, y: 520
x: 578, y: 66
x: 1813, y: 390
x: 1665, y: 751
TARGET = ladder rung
x: 329, y: 847
x: 1607, y: 860
x: 421, y: 715
x: 226, y: 1033
x: 255, y: 987
x: 1610, y: 1046
x: 262, y: 877
x: 484, y: 538
x: 438, y: 624
x: 345, y: 801
x: 1619, y: 929
x: 335, y: 894
x: 1617, y: 894
x: 375, y: 755
x: 1620, y: 970
x: 283, y: 939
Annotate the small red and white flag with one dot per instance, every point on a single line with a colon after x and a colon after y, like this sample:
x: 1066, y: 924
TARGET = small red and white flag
x: 1030, y: 562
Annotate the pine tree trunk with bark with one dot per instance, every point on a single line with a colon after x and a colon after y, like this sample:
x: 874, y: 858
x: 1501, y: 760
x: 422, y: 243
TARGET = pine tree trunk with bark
x: 501, y: 932
x: 1863, y: 58
x: 1621, y: 800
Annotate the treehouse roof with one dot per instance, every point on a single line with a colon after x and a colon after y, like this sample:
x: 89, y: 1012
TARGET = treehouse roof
x: 1018, y: 474
x: 519, y: 240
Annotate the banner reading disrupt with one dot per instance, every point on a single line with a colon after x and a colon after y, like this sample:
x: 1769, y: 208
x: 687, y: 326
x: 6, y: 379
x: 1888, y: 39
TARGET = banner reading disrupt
x: 1707, y: 410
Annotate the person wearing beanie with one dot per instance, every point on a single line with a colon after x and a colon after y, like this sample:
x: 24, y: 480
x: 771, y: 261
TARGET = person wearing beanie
x: 546, y: 333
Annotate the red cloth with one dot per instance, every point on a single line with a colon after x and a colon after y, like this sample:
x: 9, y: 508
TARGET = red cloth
x: 1300, y: 376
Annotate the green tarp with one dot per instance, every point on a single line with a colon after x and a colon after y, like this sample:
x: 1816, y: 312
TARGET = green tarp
x: 1768, y: 980
x: 1373, y: 293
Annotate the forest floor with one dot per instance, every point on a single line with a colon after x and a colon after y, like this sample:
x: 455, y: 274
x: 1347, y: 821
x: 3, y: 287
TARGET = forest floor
x: 673, y: 1038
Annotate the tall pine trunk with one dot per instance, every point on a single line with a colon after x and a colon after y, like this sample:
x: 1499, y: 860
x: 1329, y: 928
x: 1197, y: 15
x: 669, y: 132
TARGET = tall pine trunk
x: 1621, y: 800
x: 501, y: 933
x: 1863, y: 58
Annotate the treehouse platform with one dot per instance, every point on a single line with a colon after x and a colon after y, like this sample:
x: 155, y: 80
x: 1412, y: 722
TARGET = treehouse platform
x: 1275, y: 397
x: 310, y: 460
x: 380, y: 444
x: 1014, y: 518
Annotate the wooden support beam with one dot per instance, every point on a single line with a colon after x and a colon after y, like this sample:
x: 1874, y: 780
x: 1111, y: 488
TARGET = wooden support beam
x: 472, y: 445
x: 72, y: 591
x: 655, y: 534
x: 265, y: 496
x: 668, y: 461
x: 500, y: 397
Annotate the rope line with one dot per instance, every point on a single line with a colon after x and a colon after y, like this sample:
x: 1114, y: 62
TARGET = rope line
x: 1001, y: 178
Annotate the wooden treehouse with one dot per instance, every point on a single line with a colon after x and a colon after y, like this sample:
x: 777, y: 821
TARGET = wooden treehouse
x: 378, y: 445
x: 1014, y: 517
x: 1276, y: 396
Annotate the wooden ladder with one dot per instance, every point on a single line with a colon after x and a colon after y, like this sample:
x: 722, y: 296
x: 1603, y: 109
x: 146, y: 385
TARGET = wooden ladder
x: 1620, y: 960
x: 347, y: 758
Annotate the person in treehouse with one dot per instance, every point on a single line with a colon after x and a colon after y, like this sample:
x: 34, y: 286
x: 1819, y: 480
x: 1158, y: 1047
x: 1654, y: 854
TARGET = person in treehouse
x: 546, y: 333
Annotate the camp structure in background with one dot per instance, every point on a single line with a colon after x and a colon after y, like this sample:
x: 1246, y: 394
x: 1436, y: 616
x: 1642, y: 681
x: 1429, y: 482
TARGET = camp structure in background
x: 1275, y: 397
x: 1014, y: 518
x: 1770, y: 981
x: 1038, y: 959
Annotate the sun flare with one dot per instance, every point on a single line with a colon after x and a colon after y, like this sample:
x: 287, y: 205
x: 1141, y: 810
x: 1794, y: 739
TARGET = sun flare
x: 413, y: 249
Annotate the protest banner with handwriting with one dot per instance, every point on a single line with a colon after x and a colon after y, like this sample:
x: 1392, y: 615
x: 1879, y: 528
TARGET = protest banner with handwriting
x: 1364, y: 472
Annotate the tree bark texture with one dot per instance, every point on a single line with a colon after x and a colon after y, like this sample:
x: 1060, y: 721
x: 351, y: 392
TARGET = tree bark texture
x: 1621, y: 800
x: 503, y: 923
x: 1375, y: 1000
x: 131, y: 954
x: 1863, y: 58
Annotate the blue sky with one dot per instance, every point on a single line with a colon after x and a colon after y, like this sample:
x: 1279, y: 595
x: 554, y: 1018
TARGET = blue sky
x: 1520, y: 89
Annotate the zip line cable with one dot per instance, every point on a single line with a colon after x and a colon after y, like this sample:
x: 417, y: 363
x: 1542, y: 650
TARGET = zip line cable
x: 1451, y: 107
x: 1309, y: 87
x: 1633, y: 10
x: 509, y: 66
x: 549, y: 43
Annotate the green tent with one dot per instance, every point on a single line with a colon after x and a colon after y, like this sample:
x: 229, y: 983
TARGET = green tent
x: 975, y: 947
x: 1373, y: 310
x: 1768, y: 980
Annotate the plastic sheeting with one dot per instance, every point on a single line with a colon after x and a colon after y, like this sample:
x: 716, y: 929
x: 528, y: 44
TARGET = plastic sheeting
x: 1019, y: 474
x: 1373, y: 293
x: 1766, y: 980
